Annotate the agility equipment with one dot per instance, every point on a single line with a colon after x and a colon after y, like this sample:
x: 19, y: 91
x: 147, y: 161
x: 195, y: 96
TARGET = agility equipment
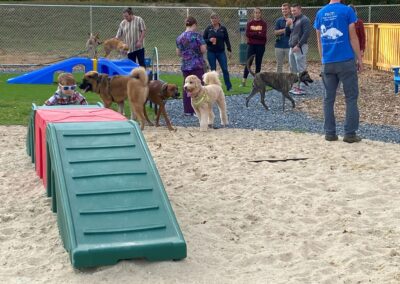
x: 110, y: 201
x: 61, y: 115
x: 30, y: 137
x: 46, y: 74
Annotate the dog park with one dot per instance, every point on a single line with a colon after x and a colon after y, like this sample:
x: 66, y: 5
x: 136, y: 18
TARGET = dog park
x: 87, y: 195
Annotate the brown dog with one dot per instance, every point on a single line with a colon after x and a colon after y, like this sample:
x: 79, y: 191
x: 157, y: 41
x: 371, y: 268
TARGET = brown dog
x: 159, y: 92
x: 115, y: 44
x: 92, y: 44
x: 118, y: 88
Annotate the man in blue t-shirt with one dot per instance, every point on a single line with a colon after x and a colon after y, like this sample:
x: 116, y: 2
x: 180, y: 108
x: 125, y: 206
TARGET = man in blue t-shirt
x: 341, y: 59
x: 282, y: 40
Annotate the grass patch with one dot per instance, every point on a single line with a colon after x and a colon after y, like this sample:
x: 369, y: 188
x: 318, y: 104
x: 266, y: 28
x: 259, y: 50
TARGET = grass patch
x: 16, y: 99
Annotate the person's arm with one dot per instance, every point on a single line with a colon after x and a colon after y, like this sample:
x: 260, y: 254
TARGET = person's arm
x: 227, y: 41
x: 178, y: 52
x: 356, y: 46
x: 142, y: 27
x: 203, y: 48
x: 263, y: 34
x: 319, y: 43
x: 306, y: 27
x: 206, y: 36
x: 81, y: 99
x: 119, y: 32
x: 278, y: 30
x: 362, y: 37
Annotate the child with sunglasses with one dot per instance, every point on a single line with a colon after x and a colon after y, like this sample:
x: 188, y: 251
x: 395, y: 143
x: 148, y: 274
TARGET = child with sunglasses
x: 66, y: 93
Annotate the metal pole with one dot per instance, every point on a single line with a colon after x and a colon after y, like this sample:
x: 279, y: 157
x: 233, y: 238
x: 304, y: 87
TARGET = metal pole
x: 369, y: 13
x: 91, y: 20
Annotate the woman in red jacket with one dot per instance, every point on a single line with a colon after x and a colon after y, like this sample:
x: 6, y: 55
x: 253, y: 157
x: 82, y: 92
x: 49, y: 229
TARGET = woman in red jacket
x: 256, y: 33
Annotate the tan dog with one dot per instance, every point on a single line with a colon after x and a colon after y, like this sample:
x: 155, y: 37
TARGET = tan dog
x: 118, y: 88
x: 115, y: 44
x: 91, y: 45
x: 158, y: 93
x: 203, y: 98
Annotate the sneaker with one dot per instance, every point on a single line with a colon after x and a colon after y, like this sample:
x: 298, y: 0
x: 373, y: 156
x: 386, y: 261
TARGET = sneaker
x: 331, y: 137
x: 351, y: 138
x: 297, y: 91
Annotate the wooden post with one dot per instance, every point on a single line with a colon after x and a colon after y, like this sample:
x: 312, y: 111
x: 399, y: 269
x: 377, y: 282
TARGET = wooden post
x: 375, y: 49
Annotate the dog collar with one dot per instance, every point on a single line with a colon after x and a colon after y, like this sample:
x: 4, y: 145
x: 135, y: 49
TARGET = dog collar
x: 201, y: 99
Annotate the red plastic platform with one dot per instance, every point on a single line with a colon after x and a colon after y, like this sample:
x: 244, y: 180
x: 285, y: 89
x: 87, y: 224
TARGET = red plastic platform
x: 45, y: 116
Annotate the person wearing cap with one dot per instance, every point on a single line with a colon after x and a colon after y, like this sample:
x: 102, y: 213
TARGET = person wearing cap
x: 216, y: 37
x: 190, y: 46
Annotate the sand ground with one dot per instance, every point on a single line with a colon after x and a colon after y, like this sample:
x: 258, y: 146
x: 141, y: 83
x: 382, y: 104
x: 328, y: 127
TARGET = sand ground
x: 330, y: 218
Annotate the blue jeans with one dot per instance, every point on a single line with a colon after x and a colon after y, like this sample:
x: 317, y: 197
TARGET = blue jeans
x: 345, y: 72
x: 223, y: 62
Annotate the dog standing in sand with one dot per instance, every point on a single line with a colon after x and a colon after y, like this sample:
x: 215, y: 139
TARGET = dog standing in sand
x: 159, y: 92
x: 282, y: 82
x: 118, y: 88
x: 204, y: 97
x: 91, y: 45
x: 115, y: 44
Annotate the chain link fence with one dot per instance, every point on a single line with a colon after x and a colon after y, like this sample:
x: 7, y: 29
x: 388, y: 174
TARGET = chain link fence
x: 40, y: 34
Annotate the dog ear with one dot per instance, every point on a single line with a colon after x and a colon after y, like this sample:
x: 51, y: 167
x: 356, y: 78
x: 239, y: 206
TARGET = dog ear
x: 164, y: 89
x: 94, y: 75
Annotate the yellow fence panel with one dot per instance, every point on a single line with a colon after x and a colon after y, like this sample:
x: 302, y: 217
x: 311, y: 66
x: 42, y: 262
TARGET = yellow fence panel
x: 383, y: 46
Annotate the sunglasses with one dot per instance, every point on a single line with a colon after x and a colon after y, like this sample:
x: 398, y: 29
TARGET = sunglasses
x: 67, y: 88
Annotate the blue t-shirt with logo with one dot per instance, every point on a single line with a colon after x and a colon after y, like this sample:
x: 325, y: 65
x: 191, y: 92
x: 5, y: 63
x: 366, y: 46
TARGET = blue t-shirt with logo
x: 333, y: 22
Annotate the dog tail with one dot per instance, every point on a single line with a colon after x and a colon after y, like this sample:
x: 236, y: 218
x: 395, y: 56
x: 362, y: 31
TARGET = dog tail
x: 248, y: 64
x: 211, y: 78
x: 140, y: 74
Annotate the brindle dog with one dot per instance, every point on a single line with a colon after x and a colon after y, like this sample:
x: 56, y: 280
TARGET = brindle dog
x: 282, y: 82
x: 159, y: 92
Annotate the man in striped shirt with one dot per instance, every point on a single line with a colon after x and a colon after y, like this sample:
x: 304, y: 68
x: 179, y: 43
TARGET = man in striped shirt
x: 132, y: 31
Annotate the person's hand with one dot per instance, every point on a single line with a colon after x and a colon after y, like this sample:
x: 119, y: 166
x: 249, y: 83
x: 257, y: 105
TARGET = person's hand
x: 360, y: 66
x: 213, y: 40
x: 289, y: 22
x: 139, y: 44
x: 296, y: 48
x: 229, y: 55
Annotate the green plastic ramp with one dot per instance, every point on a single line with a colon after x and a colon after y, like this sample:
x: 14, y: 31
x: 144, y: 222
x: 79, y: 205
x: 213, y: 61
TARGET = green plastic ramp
x: 110, y: 200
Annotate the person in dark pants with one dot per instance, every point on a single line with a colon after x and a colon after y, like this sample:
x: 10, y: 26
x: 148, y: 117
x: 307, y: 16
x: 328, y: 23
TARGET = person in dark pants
x: 132, y: 31
x: 190, y: 46
x: 341, y: 59
x: 216, y: 37
x: 256, y: 33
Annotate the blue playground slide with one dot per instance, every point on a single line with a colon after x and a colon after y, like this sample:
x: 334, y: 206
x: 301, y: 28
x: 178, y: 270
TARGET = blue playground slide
x: 45, y: 75
x: 110, y: 201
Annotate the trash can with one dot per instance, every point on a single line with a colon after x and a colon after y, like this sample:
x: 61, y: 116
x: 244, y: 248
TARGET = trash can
x: 242, y: 29
x: 243, y: 53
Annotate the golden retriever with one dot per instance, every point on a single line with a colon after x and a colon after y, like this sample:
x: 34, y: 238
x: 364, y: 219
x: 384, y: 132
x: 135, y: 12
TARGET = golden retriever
x: 204, y: 97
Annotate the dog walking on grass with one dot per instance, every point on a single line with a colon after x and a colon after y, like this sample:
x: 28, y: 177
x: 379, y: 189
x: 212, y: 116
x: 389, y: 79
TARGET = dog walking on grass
x: 282, y: 82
